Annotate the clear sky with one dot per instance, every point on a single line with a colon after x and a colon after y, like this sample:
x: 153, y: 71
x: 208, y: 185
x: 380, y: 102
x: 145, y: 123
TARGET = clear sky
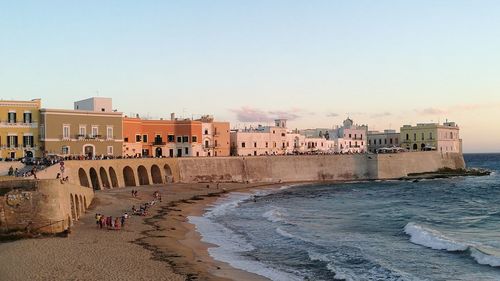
x: 385, y: 63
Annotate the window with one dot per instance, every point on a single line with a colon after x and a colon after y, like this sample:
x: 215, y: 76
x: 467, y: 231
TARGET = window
x: 144, y: 138
x: 110, y: 150
x: 422, y: 136
x: 125, y: 139
x: 206, y: 143
x: 283, y: 134
x: 407, y: 137
x: 82, y: 131
x: 28, y: 141
x: 430, y: 135
x: 390, y: 140
x: 267, y: 145
x: 65, y: 150
x: 350, y: 135
x: 12, y: 117
x: 355, y: 136
x: 179, y: 139
x: 137, y: 138
x: 27, y: 117
x: 414, y: 136
x: 109, y: 133
x: 215, y: 144
x: 243, y: 144
x: 65, y: 131
x: 171, y: 138
x: 95, y: 131
x: 185, y: 138
x: 206, y: 132
x: 370, y: 142
x: 255, y: 144
x: 12, y: 141
x: 186, y: 150
x: 385, y: 141
x: 194, y: 139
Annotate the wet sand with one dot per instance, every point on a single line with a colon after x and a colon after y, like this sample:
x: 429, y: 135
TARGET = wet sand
x: 160, y: 246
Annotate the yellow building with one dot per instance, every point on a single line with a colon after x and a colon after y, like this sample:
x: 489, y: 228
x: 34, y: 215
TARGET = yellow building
x: 431, y: 136
x: 19, y: 128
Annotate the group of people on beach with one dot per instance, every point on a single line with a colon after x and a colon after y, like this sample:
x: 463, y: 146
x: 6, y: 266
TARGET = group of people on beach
x: 110, y: 223
x: 143, y: 208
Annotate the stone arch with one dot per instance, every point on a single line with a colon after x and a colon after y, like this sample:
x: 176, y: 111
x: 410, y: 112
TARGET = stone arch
x: 128, y: 176
x: 104, y: 178
x: 94, y: 179
x: 77, y: 207
x: 84, y: 179
x: 114, y: 179
x: 168, y: 173
x: 82, y: 206
x: 73, y: 209
x: 143, y: 175
x: 156, y: 174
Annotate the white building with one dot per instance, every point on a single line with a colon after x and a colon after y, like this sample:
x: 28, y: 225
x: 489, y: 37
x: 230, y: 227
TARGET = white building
x: 262, y: 140
x: 348, y: 138
x: 95, y: 104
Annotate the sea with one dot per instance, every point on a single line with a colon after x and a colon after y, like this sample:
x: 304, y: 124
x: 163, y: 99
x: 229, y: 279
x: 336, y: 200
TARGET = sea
x: 440, y: 229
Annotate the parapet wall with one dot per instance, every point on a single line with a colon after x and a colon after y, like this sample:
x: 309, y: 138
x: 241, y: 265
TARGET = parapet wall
x: 47, y: 206
x: 315, y: 167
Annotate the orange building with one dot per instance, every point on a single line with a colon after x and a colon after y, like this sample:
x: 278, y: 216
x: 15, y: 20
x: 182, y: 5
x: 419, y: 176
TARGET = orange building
x: 161, y: 138
x: 175, y: 137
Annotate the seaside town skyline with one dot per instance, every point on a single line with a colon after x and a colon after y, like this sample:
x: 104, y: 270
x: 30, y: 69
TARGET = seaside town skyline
x: 309, y: 63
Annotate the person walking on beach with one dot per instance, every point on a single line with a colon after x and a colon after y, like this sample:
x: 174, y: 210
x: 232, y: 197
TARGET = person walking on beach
x: 117, y: 224
x: 97, y: 219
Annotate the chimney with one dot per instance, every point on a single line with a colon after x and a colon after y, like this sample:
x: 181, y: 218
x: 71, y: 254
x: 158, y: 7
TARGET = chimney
x: 172, y: 116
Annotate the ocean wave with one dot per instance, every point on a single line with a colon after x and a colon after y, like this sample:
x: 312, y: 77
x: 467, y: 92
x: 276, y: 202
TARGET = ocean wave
x: 275, y: 214
x: 230, y: 245
x: 434, y: 239
x: 284, y: 233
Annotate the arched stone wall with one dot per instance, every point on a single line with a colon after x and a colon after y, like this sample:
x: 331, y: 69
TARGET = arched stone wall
x: 114, y: 179
x: 156, y: 174
x: 83, y: 208
x: 94, y: 179
x: 77, y: 206
x: 104, y: 178
x: 128, y: 176
x: 73, y: 208
x: 168, y: 174
x: 142, y: 172
x: 84, y: 179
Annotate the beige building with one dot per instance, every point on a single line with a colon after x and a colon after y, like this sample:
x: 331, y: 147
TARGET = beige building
x: 19, y: 129
x: 386, y: 139
x: 431, y: 136
x: 81, y: 132
x: 215, y: 137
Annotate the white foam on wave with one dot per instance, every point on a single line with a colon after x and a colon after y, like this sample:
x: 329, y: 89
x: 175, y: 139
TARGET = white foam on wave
x: 230, y: 245
x: 275, y: 214
x: 284, y: 233
x: 432, y: 238
x: 483, y: 257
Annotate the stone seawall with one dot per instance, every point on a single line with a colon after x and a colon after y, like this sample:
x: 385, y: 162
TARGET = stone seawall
x: 315, y: 167
x: 46, y: 206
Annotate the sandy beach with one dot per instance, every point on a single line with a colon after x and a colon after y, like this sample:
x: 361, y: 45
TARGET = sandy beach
x: 159, y: 246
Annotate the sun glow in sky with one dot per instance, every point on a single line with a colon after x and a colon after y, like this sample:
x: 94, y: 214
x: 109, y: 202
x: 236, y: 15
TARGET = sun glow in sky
x: 384, y: 63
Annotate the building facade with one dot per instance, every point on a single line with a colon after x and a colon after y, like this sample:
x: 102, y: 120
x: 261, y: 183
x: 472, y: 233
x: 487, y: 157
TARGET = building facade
x: 262, y: 140
x: 19, y: 122
x: 431, y: 136
x: 215, y: 137
x: 386, y: 139
x: 162, y: 138
x: 81, y: 133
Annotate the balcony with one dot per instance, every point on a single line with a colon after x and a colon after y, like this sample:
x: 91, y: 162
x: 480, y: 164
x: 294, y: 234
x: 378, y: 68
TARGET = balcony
x: 7, y: 124
x: 159, y: 142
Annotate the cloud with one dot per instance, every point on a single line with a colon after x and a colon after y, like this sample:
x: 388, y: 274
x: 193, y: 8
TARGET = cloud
x: 382, y: 114
x: 249, y: 114
x: 431, y: 111
x: 332, y: 114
